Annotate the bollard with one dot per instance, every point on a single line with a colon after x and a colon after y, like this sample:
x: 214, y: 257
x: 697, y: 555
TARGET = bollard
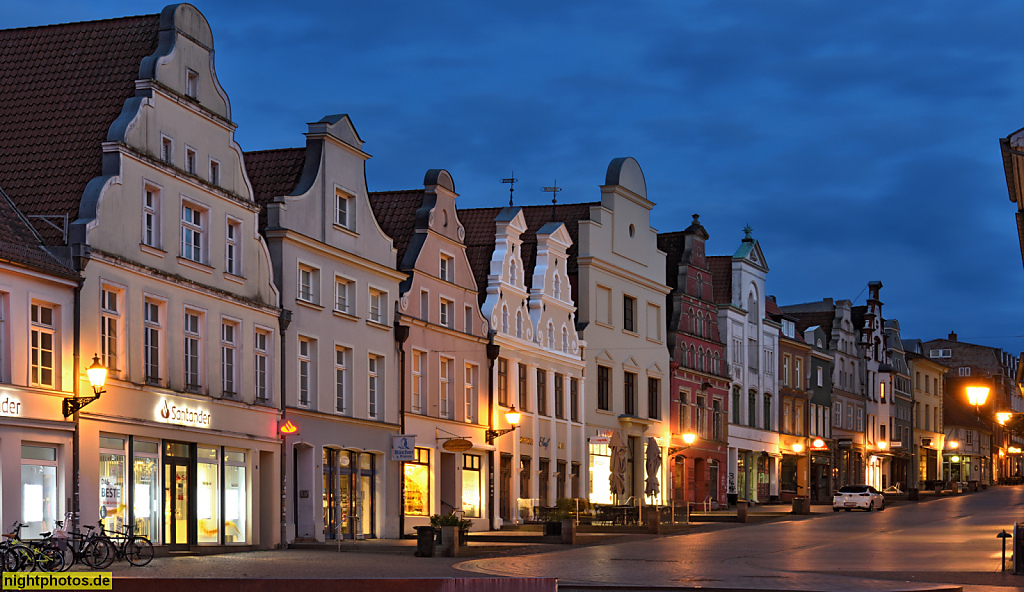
x: 1003, y: 535
x: 741, y: 510
x: 1018, y: 548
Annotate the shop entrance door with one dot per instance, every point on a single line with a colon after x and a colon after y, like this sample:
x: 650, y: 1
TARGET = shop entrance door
x: 176, y: 503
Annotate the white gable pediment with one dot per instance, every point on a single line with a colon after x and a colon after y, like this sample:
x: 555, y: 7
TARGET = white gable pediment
x: 604, y: 356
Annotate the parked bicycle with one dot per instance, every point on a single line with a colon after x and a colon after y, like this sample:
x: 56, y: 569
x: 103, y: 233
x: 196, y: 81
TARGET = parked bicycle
x: 19, y: 555
x: 127, y: 545
x: 90, y: 548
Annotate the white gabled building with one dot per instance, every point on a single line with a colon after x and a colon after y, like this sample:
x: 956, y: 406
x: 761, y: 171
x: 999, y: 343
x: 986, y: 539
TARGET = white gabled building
x: 752, y: 340
x: 335, y: 269
x: 539, y: 369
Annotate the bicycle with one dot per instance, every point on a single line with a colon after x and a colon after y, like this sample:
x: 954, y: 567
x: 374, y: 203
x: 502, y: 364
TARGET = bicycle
x: 89, y: 548
x: 127, y: 545
x: 21, y: 555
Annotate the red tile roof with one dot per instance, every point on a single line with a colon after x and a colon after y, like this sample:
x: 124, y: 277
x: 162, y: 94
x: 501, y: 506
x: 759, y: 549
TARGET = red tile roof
x: 721, y: 278
x: 21, y: 245
x: 61, y: 87
x: 273, y: 173
x: 396, y: 213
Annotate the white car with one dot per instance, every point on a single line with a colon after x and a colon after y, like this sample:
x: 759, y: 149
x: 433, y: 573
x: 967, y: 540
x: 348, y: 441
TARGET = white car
x: 861, y: 497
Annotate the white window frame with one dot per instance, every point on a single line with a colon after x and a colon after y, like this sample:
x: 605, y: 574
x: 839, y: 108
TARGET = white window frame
x: 374, y: 372
x: 191, y: 83
x: 152, y: 339
x: 229, y: 331
x: 262, y: 344
x: 445, y: 311
x: 341, y: 378
x: 344, y: 292
x: 151, y: 215
x: 468, y: 320
x: 214, y: 171
x: 343, y: 202
x: 470, y: 392
x: 444, y: 393
x: 232, y: 246
x: 306, y: 375
x: 192, y: 329
x: 193, y: 234
x: 167, y: 149
x: 307, y: 287
x: 111, y: 327
x: 39, y: 332
x: 377, y: 306
x: 419, y: 360
x: 191, y: 160
x: 446, y: 269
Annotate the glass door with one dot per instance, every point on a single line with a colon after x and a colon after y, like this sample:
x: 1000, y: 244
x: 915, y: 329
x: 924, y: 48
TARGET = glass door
x: 176, y: 498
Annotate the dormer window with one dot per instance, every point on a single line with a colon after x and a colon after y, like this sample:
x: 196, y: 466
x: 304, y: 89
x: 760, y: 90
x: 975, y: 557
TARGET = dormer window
x: 445, y: 272
x: 343, y: 210
x: 192, y: 84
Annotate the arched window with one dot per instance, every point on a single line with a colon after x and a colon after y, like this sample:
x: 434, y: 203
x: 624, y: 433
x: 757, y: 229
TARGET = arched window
x: 717, y: 365
x: 692, y: 320
x: 565, y: 340
x: 513, y: 273
x: 691, y: 357
x: 700, y: 359
x: 519, y: 324
x: 700, y: 286
x: 504, y: 319
x: 699, y: 325
x: 558, y: 286
x: 551, y: 336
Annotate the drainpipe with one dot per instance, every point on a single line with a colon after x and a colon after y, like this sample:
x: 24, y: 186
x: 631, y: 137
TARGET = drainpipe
x: 492, y: 354
x: 401, y: 336
x: 283, y: 321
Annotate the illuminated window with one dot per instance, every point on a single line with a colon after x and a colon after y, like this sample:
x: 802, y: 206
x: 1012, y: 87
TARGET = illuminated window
x: 470, y: 390
x: 471, y: 489
x: 417, y: 484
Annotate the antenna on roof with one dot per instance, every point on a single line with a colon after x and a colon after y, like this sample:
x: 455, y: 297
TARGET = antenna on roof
x: 553, y: 190
x: 511, y: 186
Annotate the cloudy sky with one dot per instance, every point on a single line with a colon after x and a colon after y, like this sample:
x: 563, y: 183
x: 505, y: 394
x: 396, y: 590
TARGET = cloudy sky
x: 859, y: 140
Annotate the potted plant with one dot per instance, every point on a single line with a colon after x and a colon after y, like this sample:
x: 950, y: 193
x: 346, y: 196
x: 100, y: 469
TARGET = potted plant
x: 440, y: 521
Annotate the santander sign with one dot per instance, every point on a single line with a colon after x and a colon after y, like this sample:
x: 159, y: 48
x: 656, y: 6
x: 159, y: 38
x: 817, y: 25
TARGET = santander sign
x: 178, y: 414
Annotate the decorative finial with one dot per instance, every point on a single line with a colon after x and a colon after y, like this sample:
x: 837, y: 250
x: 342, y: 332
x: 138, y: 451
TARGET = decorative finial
x: 747, y: 231
x: 511, y: 186
x: 553, y: 190
x: 696, y: 218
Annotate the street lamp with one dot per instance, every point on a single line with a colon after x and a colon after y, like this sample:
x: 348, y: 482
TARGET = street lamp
x: 512, y: 417
x: 976, y: 395
x: 97, y: 373
x: 688, y: 438
x: 882, y: 445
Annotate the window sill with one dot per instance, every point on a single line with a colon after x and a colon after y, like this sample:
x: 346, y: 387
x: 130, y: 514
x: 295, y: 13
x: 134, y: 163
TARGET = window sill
x: 234, y: 278
x: 604, y: 324
x: 378, y: 325
x: 345, y: 315
x: 152, y: 250
x: 307, y: 304
x: 630, y: 333
x: 194, y: 265
x: 345, y: 229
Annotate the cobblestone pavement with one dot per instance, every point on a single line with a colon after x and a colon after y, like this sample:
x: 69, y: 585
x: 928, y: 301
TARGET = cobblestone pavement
x: 908, y: 547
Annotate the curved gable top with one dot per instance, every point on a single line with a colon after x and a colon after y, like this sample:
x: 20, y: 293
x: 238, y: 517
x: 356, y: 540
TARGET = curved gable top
x: 439, y: 177
x: 625, y: 172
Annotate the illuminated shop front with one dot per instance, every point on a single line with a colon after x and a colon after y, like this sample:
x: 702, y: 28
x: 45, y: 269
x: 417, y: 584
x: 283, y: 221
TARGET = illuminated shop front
x: 179, y: 477
x: 348, y: 493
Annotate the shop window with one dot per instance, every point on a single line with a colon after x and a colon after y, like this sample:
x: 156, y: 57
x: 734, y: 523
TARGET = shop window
x: 207, y: 495
x: 40, y: 505
x: 417, y: 484
x: 471, y: 490
x: 600, y: 471
x: 113, y: 495
x: 235, y: 508
x: 146, y: 502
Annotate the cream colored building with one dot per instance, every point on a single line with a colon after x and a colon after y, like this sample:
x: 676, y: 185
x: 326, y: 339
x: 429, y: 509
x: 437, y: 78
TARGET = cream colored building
x: 335, y: 269
x: 178, y: 300
x: 929, y: 435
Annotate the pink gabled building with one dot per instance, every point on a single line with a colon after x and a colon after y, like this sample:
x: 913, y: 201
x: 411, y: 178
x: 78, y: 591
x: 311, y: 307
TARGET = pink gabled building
x: 699, y: 387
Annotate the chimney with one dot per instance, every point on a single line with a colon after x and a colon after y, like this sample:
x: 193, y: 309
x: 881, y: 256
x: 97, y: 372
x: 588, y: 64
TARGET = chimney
x: 952, y: 336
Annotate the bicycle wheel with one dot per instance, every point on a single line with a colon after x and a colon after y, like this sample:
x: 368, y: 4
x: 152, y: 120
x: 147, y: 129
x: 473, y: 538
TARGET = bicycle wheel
x: 9, y: 559
x: 139, y: 551
x: 26, y: 559
x: 98, y: 553
x: 49, y: 559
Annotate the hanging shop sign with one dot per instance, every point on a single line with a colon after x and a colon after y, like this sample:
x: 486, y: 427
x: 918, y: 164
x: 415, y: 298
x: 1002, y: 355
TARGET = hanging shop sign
x: 457, y: 445
x: 403, y: 447
x: 168, y: 411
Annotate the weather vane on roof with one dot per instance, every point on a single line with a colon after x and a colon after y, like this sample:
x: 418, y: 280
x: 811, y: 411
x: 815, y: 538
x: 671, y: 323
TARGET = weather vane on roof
x: 553, y: 190
x: 511, y: 186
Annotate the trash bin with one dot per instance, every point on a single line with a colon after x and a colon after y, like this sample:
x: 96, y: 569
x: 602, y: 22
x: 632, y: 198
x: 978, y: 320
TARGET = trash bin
x: 801, y: 505
x: 424, y: 541
x: 741, y: 510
